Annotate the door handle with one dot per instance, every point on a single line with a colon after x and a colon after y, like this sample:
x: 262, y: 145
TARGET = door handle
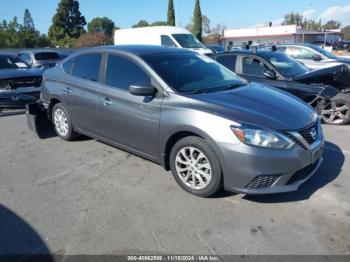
x: 67, y: 90
x: 107, y: 102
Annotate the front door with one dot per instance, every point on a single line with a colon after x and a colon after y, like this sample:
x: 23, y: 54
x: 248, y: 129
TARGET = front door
x: 253, y: 69
x: 129, y: 120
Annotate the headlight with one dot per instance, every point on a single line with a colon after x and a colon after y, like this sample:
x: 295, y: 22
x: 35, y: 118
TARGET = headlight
x: 261, y: 137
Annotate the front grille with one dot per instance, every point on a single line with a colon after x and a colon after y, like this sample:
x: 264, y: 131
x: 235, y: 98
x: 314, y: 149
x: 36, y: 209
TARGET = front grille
x: 296, y: 140
x: 25, y: 82
x: 302, y: 174
x: 310, y: 134
x: 262, y: 182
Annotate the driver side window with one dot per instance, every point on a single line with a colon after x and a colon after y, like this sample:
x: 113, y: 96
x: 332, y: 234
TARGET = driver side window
x: 253, y: 67
x: 166, y: 41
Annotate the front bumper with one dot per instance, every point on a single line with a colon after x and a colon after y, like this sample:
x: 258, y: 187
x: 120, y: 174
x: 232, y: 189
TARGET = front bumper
x: 253, y: 170
x: 18, y: 98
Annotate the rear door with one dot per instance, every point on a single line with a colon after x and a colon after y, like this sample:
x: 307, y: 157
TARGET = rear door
x: 129, y: 120
x: 81, y: 91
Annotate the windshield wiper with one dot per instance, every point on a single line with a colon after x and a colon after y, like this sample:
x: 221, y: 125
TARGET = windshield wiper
x: 214, y: 89
x: 232, y: 86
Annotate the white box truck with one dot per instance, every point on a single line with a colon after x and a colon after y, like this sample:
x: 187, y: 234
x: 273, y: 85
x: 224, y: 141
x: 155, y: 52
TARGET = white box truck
x: 160, y: 35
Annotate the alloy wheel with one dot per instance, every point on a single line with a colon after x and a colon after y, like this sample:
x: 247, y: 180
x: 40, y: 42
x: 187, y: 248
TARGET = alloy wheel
x: 61, y: 122
x: 193, y: 168
x: 335, y: 112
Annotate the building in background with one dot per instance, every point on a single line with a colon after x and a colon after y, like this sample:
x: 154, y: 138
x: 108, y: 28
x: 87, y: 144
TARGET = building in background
x: 286, y: 34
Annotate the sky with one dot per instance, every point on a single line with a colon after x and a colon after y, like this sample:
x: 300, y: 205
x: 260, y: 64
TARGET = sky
x: 231, y: 13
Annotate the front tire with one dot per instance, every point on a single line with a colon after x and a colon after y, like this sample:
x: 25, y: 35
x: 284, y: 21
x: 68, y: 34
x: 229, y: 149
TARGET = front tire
x: 337, y: 111
x: 195, y: 166
x: 62, y: 123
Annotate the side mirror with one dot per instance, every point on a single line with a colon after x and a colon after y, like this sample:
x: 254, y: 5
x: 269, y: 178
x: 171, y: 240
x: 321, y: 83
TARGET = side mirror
x: 137, y: 90
x: 270, y: 74
x: 317, y: 58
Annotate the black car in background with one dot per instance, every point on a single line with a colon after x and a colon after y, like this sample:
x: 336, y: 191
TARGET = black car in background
x: 19, y: 84
x: 325, y: 89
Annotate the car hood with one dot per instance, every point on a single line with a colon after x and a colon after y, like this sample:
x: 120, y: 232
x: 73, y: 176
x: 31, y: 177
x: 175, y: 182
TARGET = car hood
x: 259, y: 105
x: 20, y: 72
x: 336, y: 75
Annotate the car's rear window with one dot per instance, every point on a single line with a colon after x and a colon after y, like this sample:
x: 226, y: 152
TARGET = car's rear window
x: 46, y: 56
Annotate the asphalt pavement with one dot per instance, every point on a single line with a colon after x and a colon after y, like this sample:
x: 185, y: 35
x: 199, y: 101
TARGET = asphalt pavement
x: 86, y: 197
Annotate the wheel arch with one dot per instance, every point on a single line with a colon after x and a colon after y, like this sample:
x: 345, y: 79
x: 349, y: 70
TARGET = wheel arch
x: 53, y: 102
x: 180, y: 134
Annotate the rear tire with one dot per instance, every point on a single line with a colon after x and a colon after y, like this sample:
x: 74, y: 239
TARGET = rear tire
x: 62, y: 123
x: 337, y: 111
x: 195, y: 166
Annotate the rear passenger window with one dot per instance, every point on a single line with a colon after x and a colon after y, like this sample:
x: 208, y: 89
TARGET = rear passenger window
x: 87, y: 66
x: 121, y: 73
x: 166, y: 41
x: 228, y: 60
x: 253, y: 67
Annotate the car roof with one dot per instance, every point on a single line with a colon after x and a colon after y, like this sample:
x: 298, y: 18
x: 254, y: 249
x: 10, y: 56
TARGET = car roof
x: 153, y: 29
x: 38, y: 51
x: 7, y: 54
x: 250, y: 51
x: 138, y: 50
x: 307, y: 45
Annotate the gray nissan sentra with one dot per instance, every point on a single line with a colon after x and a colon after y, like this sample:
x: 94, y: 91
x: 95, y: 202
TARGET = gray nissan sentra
x: 186, y: 112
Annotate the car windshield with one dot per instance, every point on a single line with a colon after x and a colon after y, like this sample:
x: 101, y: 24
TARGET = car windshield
x: 324, y: 52
x: 9, y: 62
x: 187, y: 41
x: 285, y: 65
x: 193, y: 73
x: 46, y: 56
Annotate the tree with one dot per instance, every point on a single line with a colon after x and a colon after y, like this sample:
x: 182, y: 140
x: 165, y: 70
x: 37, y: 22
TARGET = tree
x: 141, y: 23
x: 28, y: 22
x: 197, y: 26
x: 293, y: 19
x: 312, y: 25
x: 171, y: 13
x: 16, y: 35
x: 93, y: 39
x: 101, y: 25
x: 206, y: 25
x: 67, y: 24
x: 346, y: 32
x: 189, y: 27
x: 159, y: 23
x: 331, y: 24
